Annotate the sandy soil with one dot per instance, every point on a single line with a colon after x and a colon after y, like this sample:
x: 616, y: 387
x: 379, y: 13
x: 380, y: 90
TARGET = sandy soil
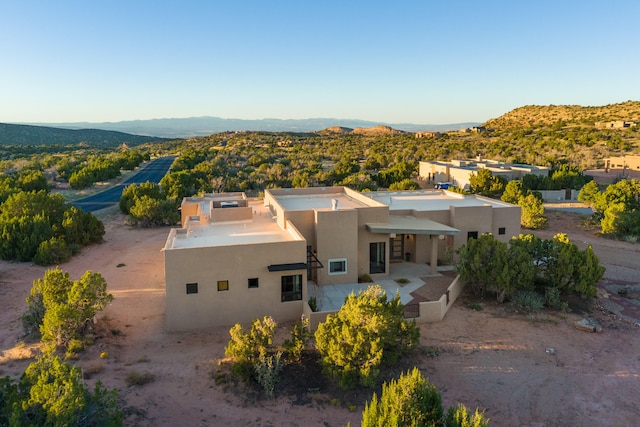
x: 522, y: 370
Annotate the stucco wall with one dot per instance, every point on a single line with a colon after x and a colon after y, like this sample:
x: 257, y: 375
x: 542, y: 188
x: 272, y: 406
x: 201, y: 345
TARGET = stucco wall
x: 337, y: 238
x: 212, y: 308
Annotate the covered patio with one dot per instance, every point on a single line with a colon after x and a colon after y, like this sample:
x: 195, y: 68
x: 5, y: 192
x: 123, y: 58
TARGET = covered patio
x: 411, y: 226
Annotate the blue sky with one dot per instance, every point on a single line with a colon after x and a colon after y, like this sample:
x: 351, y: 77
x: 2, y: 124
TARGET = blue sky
x: 427, y: 62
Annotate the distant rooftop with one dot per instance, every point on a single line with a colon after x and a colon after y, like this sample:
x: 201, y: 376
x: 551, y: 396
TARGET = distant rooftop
x: 430, y: 200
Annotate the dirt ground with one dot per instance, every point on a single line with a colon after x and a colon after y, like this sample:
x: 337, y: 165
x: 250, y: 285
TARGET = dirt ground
x: 521, y: 370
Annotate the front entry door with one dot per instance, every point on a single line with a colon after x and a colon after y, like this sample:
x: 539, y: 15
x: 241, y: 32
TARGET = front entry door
x: 397, y: 247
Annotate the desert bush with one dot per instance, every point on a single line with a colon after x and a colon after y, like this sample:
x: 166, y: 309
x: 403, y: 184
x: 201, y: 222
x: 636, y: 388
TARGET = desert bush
x: 458, y: 416
x: 300, y: 336
x: 365, y: 334
x: 267, y: 370
x: 529, y: 300
x: 52, y: 251
x: 408, y: 401
x: 137, y: 378
x: 412, y: 401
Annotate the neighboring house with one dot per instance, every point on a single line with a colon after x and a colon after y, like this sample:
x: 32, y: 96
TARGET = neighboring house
x: 458, y: 172
x: 624, y: 162
x: 616, y: 124
x: 235, y: 259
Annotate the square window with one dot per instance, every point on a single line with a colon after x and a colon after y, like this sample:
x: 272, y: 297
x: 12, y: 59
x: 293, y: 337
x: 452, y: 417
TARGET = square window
x: 472, y: 235
x: 292, y: 288
x: 338, y: 266
x: 192, y: 288
x: 502, y: 231
x: 253, y: 283
x: 223, y: 285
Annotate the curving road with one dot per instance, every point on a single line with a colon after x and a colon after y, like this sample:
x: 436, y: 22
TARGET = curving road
x: 152, y: 172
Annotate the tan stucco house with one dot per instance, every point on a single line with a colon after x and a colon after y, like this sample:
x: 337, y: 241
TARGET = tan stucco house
x: 235, y: 259
x: 458, y: 172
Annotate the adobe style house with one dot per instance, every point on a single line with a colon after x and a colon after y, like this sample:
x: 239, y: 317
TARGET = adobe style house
x: 235, y: 259
x: 624, y: 163
x: 458, y: 172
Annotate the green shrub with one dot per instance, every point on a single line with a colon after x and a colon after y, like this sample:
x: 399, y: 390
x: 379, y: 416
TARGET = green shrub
x: 313, y: 304
x: 244, y: 346
x: 365, y: 334
x: 408, y: 401
x: 52, y: 251
x: 459, y: 416
x: 267, y: 370
x: 300, y: 336
x: 529, y: 300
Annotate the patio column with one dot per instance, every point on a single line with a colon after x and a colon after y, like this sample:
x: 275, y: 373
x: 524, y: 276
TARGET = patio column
x: 434, y: 254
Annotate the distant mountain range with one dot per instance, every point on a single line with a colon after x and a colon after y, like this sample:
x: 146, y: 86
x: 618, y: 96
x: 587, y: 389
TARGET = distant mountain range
x: 201, y: 126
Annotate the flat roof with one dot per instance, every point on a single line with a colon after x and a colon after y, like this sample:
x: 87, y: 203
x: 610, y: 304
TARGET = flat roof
x: 431, y: 200
x: 303, y: 202
x: 411, y: 225
x: 262, y: 229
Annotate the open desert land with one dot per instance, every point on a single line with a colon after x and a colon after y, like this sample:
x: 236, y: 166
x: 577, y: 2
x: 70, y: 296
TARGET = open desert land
x: 522, y: 370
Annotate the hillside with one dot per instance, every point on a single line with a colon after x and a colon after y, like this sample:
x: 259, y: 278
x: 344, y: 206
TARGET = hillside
x: 536, y: 115
x: 202, y: 126
x: 11, y: 134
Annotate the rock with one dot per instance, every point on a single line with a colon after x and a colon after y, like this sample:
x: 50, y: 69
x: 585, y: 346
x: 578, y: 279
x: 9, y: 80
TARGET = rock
x: 551, y: 351
x: 588, y: 324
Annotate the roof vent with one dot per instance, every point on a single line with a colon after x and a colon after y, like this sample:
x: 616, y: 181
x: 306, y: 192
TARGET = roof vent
x: 334, y: 204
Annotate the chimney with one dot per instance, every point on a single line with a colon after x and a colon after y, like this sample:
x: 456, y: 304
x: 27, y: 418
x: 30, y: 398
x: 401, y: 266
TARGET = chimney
x: 334, y: 204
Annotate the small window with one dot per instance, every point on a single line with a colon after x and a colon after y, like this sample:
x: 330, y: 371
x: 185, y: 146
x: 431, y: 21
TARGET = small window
x: 192, y: 288
x: 253, y: 283
x: 223, y: 285
x: 338, y: 266
x: 502, y: 231
x: 472, y: 235
x: 292, y: 288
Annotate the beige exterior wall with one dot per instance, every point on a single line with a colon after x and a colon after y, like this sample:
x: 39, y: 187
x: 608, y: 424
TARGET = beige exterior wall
x: 337, y: 238
x: 630, y: 162
x: 507, y: 218
x: 365, y: 238
x: 237, y: 264
x: 470, y: 219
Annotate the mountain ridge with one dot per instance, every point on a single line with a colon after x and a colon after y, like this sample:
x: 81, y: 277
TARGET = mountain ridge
x: 207, y: 125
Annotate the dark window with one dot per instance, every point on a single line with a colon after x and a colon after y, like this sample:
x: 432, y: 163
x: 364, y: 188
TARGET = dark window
x: 192, y: 288
x: 472, y: 235
x: 253, y: 283
x: 223, y: 285
x: 337, y: 266
x: 292, y: 288
x: 502, y: 230
x: 376, y: 258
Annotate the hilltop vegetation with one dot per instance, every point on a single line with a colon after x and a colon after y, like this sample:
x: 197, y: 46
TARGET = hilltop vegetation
x: 540, y: 116
x: 20, y: 135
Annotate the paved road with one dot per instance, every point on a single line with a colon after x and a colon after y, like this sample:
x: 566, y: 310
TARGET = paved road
x: 152, y: 172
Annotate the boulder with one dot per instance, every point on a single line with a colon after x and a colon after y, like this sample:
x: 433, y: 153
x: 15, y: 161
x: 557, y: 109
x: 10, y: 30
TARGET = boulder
x: 588, y: 324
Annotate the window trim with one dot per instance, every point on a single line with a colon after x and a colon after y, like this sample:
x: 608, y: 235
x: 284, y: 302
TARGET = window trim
x: 191, y: 288
x: 221, y: 285
x: 337, y: 261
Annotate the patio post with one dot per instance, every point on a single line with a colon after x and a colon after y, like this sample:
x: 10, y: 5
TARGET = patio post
x: 434, y: 254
